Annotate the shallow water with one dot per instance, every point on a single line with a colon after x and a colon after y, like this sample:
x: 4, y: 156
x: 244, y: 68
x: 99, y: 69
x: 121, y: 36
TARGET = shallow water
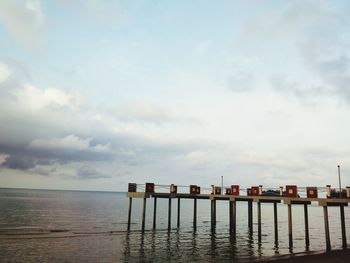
x: 73, y: 226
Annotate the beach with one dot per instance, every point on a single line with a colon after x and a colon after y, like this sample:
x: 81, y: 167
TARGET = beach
x: 335, y: 256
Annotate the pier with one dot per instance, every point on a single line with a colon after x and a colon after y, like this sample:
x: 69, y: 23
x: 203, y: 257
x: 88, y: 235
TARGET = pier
x: 287, y: 195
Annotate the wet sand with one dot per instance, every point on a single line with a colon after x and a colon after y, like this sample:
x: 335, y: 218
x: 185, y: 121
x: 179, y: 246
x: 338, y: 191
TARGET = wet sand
x: 328, y: 257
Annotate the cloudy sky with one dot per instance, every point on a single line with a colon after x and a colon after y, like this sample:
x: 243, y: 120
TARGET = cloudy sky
x: 96, y: 94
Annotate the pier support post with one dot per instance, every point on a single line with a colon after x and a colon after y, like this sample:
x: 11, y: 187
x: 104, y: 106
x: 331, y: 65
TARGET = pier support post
x: 259, y: 221
x: 213, y: 213
x: 275, y: 220
x: 230, y: 215
x: 343, y: 230
x: 195, y: 214
x: 250, y: 216
x: 233, y: 217
x: 169, y: 215
x: 155, y: 213
x: 144, y: 214
x: 290, y: 226
x: 129, y: 214
x: 306, y: 219
x: 178, y: 212
x: 326, y: 226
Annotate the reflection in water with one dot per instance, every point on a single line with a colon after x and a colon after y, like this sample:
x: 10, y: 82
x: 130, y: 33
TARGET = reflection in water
x: 307, y: 248
x: 168, y: 244
x: 250, y: 242
x: 153, y: 244
x: 177, y: 240
x: 276, y: 242
x: 233, y: 247
x: 142, y: 249
x: 205, y: 245
x: 213, y: 248
x: 194, y: 244
x: 276, y: 247
x: 290, y: 250
x: 127, y: 245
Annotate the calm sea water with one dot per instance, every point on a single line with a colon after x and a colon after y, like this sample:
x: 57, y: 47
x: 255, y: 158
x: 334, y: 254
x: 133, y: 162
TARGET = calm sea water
x: 73, y: 226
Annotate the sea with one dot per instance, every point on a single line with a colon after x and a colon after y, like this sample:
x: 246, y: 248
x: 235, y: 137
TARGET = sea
x: 79, y: 226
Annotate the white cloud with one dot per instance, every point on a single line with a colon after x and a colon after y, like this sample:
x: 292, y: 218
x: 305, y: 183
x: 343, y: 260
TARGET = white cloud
x: 5, y: 72
x: 35, y: 99
x: 102, y: 148
x: 25, y: 21
x: 3, y: 158
x: 70, y: 142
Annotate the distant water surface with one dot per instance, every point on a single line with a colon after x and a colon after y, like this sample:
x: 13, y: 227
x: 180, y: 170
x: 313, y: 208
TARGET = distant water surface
x: 74, y: 226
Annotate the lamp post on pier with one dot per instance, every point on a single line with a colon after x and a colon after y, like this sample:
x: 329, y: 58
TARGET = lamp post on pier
x: 222, y: 184
x: 340, y: 191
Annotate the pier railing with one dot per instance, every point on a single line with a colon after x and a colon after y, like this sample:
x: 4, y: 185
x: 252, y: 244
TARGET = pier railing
x: 321, y: 192
x: 290, y: 195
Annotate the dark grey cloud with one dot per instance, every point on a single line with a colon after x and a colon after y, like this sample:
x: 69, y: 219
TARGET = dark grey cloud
x: 33, y: 136
x: 324, y: 53
x: 25, y: 156
x: 18, y: 162
x: 328, y: 75
x: 306, y: 92
x: 332, y: 67
x: 304, y: 55
x: 40, y: 139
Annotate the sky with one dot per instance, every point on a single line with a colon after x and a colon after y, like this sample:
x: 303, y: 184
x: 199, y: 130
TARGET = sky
x: 96, y: 94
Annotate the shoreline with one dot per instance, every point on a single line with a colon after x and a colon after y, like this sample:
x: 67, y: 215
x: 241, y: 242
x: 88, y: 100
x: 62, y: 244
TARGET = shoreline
x: 333, y: 256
